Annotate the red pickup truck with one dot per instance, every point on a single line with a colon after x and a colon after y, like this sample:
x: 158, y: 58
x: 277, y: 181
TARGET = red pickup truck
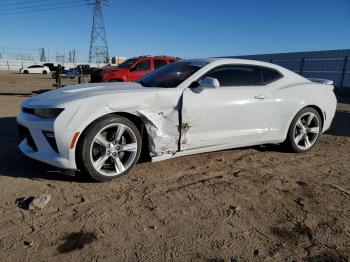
x: 131, y: 70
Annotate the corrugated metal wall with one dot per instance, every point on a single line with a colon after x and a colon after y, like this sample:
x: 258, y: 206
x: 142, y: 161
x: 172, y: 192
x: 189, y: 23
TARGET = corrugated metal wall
x: 331, y: 64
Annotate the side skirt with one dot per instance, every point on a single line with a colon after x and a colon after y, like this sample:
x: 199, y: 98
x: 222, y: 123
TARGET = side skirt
x: 210, y: 149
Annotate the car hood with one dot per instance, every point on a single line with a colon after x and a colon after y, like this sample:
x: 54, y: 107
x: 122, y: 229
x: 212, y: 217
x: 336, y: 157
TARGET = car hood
x: 75, y: 93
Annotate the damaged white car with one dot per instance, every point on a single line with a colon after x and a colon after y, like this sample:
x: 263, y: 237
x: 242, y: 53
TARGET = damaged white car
x: 187, y: 107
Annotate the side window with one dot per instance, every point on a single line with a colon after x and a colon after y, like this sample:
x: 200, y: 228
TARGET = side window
x: 159, y: 63
x: 270, y: 75
x: 237, y: 75
x: 144, y: 65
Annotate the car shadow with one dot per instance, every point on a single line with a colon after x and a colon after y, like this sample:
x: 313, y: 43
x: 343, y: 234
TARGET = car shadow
x: 34, y: 92
x: 341, y: 124
x: 343, y: 96
x: 15, y: 164
x: 16, y: 94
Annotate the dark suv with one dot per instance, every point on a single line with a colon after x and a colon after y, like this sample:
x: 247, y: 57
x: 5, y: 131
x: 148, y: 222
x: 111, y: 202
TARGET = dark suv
x: 131, y: 70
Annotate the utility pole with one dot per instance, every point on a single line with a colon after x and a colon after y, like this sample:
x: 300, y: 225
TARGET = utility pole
x: 98, y: 43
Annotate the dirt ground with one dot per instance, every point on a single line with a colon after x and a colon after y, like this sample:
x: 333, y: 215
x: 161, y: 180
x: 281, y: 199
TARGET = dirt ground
x: 251, y: 204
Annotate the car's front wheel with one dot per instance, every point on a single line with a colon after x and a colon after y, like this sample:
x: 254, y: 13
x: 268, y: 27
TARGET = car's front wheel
x: 304, y: 130
x: 109, y: 148
x: 44, y: 72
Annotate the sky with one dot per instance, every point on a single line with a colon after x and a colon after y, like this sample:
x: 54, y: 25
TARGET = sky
x: 185, y: 28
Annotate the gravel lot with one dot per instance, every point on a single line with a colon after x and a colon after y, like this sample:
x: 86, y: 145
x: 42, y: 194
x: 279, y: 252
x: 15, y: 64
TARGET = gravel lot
x: 252, y: 204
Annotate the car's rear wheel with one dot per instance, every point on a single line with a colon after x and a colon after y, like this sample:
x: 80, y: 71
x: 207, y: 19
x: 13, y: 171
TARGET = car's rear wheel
x: 44, y: 72
x: 304, y: 130
x: 109, y: 148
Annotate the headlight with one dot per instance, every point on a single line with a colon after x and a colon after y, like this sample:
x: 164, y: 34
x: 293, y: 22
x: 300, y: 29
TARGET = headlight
x: 48, y: 112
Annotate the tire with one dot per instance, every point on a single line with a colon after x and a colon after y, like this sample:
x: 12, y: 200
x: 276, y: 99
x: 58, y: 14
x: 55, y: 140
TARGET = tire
x: 304, y: 131
x: 25, y: 72
x: 53, y: 75
x: 44, y: 72
x: 109, y: 157
x: 115, y: 80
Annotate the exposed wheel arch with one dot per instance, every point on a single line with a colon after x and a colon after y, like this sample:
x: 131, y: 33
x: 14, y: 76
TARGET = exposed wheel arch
x: 137, y: 121
x: 109, y: 148
x: 318, y: 111
x: 116, y: 80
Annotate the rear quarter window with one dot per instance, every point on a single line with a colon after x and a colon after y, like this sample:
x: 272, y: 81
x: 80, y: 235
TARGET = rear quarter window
x: 270, y: 75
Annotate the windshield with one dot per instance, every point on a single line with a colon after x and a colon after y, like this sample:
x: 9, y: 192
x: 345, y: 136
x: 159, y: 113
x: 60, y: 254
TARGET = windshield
x: 128, y: 63
x: 170, y: 75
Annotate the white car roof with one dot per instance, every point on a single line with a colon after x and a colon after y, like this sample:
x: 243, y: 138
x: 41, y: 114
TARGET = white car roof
x: 221, y: 61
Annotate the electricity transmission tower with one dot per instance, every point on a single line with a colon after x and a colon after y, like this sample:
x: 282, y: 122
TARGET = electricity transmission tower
x: 98, y: 44
x: 71, y: 56
x: 42, y: 55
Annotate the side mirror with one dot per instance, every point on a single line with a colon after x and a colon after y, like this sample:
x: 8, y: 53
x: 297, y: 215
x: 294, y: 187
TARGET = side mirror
x: 209, y: 82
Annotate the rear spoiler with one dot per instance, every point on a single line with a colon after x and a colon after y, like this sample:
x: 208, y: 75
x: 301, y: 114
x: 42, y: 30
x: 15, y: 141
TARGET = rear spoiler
x: 321, y: 81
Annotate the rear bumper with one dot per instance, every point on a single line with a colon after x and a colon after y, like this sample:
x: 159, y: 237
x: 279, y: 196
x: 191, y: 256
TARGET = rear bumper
x: 329, y: 113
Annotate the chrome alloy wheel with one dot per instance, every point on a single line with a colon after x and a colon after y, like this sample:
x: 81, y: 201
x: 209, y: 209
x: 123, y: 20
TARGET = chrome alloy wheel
x: 113, y: 149
x: 306, y: 131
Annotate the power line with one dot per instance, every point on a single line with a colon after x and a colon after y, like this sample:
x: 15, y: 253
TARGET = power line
x: 46, y: 9
x: 22, y: 3
x: 43, y: 5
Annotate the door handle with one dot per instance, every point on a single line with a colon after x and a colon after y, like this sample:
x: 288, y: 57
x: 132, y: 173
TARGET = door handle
x: 260, y: 97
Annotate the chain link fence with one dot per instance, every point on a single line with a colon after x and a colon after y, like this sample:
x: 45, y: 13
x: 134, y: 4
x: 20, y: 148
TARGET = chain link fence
x: 16, y: 65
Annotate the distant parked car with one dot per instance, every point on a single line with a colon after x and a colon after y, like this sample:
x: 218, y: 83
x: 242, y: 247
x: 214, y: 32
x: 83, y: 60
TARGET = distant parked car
x: 35, y: 69
x: 131, y: 70
x: 52, y: 66
x: 84, y: 69
x: 76, y: 71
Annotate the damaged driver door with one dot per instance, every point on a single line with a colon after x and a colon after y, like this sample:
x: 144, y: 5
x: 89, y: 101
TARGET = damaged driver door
x: 230, y: 106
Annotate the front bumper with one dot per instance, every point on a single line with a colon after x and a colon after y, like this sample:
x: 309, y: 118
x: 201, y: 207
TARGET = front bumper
x: 35, y: 144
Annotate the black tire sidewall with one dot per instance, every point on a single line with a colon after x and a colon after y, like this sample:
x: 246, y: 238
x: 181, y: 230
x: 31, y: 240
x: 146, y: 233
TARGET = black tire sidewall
x: 84, y: 144
x: 290, y: 137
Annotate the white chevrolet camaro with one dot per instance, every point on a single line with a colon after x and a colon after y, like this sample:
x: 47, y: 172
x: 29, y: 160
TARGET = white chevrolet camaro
x: 187, y: 107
